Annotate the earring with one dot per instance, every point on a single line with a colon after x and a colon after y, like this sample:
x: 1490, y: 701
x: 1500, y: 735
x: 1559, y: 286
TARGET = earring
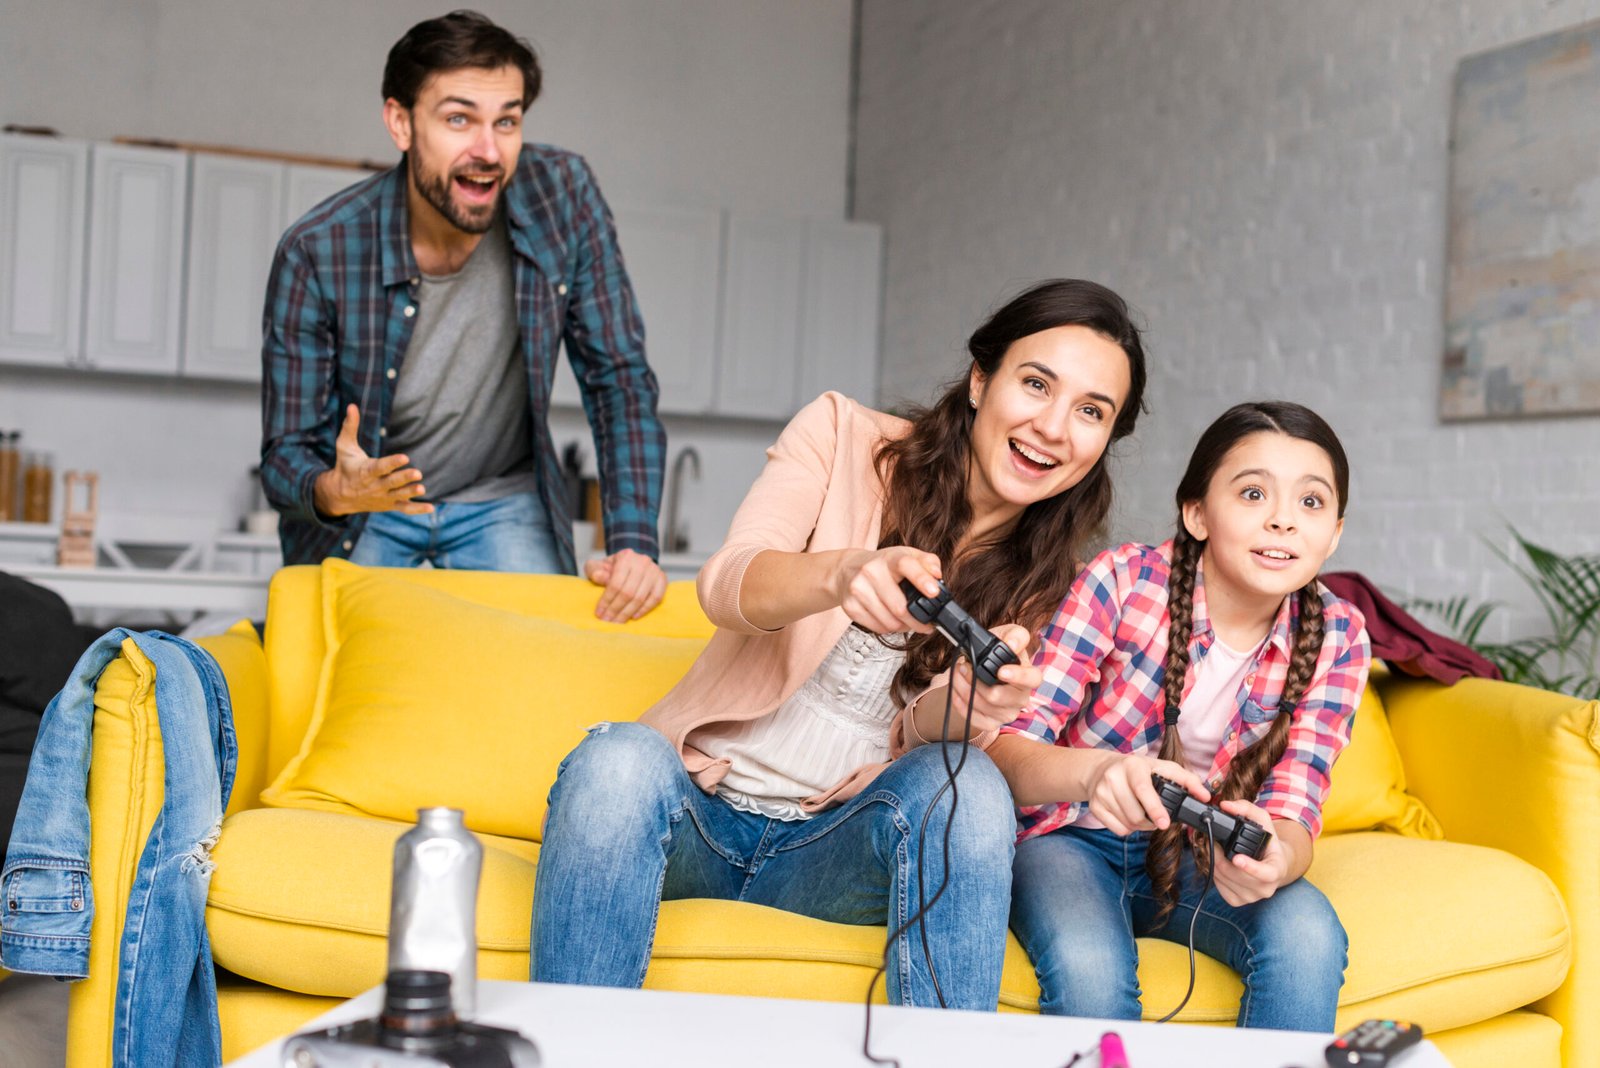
x: 973, y: 401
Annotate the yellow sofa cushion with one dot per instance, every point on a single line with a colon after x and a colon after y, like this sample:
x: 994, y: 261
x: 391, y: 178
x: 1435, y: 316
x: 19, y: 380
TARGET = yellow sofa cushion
x: 429, y: 699
x: 1441, y: 933
x: 1367, y: 788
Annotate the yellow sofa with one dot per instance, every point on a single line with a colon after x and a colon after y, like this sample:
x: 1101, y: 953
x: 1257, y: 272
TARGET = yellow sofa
x: 1490, y: 938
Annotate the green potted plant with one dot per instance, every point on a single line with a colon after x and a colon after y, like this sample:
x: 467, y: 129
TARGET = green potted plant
x: 1568, y: 587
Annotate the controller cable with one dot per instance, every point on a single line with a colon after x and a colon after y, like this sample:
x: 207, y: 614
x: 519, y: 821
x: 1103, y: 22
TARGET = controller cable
x: 918, y: 917
x: 1211, y: 876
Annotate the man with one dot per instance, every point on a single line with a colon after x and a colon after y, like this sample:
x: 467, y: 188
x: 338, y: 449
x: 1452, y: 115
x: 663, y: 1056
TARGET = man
x: 412, y: 327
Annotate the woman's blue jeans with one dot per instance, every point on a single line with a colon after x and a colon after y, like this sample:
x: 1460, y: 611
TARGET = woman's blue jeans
x: 1081, y: 896
x: 628, y: 828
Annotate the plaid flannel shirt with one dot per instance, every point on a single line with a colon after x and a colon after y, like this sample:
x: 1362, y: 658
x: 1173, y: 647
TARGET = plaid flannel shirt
x: 1103, y: 658
x: 341, y: 301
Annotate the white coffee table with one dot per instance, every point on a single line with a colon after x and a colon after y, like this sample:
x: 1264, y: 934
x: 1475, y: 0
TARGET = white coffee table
x: 595, y: 1027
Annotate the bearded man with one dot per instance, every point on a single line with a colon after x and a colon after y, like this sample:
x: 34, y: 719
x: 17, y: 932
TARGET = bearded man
x: 412, y: 330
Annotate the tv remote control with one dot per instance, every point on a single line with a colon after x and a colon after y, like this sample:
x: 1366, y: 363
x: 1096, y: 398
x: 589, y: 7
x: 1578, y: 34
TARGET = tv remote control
x: 1372, y: 1043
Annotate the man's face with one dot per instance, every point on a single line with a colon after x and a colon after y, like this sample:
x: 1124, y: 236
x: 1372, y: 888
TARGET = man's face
x: 462, y: 138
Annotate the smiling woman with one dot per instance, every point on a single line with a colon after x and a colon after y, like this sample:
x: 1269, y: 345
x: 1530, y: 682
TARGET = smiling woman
x: 797, y: 739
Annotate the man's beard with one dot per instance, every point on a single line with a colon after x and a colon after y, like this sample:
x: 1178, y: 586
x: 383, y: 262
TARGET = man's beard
x: 435, y: 189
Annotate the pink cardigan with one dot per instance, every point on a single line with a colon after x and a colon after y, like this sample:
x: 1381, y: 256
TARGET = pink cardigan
x: 818, y: 492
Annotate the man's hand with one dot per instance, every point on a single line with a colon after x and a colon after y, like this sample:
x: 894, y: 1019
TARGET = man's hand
x: 634, y: 584
x: 360, y: 483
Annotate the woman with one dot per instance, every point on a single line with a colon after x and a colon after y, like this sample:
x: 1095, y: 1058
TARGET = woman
x: 787, y: 766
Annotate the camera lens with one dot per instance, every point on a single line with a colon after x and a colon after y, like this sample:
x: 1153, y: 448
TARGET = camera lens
x: 416, y: 1005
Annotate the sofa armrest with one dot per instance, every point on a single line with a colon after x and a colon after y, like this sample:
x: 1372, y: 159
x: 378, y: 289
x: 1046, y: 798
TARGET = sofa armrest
x: 126, y: 789
x: 244, y: 665
x: 1517, y: 769
x: 127, y: 785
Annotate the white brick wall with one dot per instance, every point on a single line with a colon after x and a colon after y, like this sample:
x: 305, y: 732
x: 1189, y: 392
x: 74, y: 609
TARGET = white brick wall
x: 1266, y: 182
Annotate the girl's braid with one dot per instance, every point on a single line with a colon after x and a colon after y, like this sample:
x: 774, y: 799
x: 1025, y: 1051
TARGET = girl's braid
x: 1161, y: 860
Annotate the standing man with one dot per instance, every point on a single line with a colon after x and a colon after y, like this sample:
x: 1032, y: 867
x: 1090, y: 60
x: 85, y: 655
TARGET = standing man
x: 412, y: 327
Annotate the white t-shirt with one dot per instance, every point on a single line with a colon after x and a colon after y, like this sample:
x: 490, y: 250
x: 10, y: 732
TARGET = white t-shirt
x: 1211, y: 708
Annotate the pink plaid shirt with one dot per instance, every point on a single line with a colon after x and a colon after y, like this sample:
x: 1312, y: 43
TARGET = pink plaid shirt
x: 1103, y: 655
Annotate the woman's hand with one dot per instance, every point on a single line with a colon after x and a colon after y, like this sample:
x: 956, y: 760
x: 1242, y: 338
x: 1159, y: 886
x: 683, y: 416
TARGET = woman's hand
x: 995, y: 706
x: 992, y: 706
x: 1122, y: 797
x: 1241, y: 879
x: 867, y: 584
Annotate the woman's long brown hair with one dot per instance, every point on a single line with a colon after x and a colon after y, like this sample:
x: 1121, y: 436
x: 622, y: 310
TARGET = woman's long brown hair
x: 1250, y: 768
x: 1020, y: 576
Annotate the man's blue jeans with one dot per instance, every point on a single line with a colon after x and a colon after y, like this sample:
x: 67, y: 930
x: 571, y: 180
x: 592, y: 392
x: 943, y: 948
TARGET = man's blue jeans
x: 1081, y: 896
x: 508, y: 534
x: 628, y: 828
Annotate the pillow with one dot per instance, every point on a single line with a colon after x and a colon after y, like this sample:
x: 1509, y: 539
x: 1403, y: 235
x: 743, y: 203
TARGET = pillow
x: 1367, y: 787
x: 429, y: 699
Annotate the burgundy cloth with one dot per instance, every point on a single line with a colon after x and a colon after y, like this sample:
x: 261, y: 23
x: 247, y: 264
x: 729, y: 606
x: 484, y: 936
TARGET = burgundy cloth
x: 1407, y: 645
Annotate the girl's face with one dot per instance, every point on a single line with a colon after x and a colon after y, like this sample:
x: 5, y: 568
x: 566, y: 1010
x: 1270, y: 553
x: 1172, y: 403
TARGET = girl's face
x: 1270, y: 517
x: 1043, y: 418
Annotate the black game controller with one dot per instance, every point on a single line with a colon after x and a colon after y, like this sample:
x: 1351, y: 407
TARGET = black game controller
x: 1233, y: 834
x: 987, y: 653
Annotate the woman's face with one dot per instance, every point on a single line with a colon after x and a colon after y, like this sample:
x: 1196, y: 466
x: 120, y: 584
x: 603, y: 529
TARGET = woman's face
x: 1044, y: 417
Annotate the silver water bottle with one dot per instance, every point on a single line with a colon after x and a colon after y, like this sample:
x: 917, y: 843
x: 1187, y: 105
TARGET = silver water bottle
x: 433, y: 914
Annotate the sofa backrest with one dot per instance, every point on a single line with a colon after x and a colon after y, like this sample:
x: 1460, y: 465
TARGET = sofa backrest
x: 296, y: 645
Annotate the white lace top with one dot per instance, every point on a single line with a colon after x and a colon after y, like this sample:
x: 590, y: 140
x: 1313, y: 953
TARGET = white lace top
x: 836, y: 721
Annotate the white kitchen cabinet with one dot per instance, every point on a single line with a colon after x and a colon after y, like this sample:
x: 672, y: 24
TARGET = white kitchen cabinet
x: 132, y: 319
x: 840, y: 308
x: 759, y: 343
x: 238, y: 210
x: 235, y: 217
x: 43, y: 220
x: 306, y: 186
x: 672, y: 256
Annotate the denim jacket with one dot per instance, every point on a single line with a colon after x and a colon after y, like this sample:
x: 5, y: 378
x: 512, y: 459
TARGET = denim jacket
x: 166, y: 1001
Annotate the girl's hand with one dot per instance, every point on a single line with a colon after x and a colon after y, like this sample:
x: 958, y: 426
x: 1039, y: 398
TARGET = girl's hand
x: 867, y: 583
x: 995, y: 706
x: 1122, y: 797
x: 1241, y: 880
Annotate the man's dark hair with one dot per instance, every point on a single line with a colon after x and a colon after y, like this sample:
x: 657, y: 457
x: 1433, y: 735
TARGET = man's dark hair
x: 458, y: 41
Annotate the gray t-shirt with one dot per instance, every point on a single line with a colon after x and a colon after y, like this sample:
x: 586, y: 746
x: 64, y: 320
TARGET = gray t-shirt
x: 461, y: 400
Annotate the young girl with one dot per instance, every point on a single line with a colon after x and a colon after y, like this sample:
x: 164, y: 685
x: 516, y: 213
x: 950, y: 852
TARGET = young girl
x: 785, y: 768
x: 1221, y: 648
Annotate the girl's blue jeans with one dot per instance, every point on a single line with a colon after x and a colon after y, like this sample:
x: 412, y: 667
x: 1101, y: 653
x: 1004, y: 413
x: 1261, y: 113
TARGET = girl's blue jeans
x: 1081, y: 897
x: 628, y: 828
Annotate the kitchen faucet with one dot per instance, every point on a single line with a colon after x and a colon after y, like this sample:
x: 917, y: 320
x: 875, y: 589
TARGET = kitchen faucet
x: 677, y: 533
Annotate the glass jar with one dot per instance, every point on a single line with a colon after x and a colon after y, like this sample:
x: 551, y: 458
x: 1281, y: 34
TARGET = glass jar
x: 38, y: 478
x: 10, y: 477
